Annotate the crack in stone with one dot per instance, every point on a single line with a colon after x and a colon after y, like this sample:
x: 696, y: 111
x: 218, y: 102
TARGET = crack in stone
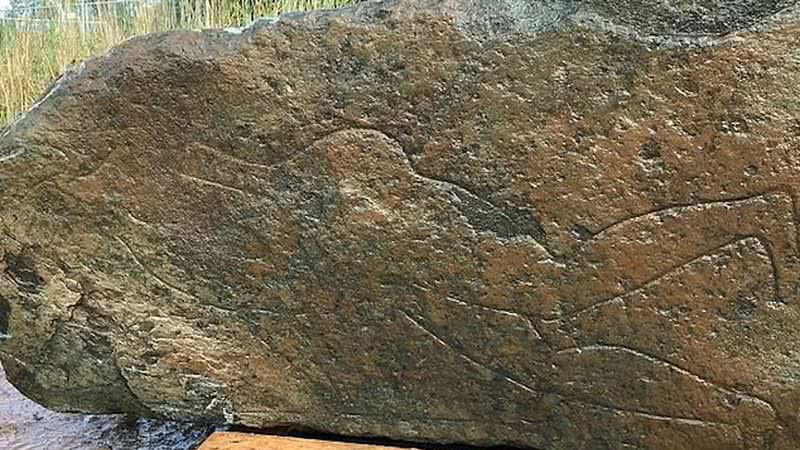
x: 126, y: 384
x: 72, y: 309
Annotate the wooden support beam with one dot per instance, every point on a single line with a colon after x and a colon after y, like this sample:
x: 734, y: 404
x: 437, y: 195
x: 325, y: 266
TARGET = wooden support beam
x: 246, y: 441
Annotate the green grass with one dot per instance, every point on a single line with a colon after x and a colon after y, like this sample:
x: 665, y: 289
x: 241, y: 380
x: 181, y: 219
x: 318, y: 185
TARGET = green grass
x: 31, y: 60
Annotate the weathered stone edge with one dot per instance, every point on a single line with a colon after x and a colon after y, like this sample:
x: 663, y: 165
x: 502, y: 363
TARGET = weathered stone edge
x: 373, y: 12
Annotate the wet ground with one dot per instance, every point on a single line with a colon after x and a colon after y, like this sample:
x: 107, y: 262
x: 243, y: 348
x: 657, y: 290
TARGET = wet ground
x: 24, y: 425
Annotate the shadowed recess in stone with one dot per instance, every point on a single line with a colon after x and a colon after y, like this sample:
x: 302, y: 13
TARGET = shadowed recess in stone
x: 20, y: 269
x: 5, y: 312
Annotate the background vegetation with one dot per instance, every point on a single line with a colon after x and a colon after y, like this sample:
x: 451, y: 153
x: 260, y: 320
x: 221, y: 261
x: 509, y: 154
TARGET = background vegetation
x: 37, y: 43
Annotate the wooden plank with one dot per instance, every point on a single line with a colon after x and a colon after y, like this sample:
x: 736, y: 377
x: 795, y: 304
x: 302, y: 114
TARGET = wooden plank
x: 245, y: 441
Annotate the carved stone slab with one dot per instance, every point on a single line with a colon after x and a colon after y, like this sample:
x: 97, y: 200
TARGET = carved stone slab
x: 550, y: 225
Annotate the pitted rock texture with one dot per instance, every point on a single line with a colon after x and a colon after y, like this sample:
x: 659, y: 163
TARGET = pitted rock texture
x: 411, y: 220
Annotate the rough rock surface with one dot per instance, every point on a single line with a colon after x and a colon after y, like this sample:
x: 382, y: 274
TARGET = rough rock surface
x: 24, y: 425
x: 554, y: 225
